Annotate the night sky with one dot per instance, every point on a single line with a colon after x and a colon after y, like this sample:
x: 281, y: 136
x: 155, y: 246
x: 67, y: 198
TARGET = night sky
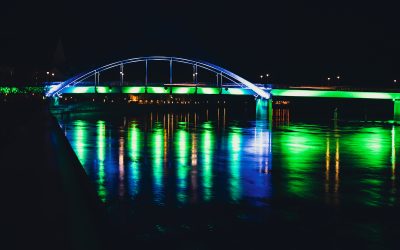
x: 291, y: 40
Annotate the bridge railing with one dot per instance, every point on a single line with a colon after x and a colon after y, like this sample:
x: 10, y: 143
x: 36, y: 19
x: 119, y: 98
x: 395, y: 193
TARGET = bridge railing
x: 183, y: 84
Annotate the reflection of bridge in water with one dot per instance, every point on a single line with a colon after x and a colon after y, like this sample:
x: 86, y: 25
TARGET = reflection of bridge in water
x: 227, y: 83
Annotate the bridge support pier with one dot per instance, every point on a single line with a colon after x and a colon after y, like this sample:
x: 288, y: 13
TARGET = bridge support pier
x: 264, y: 109
x: 55, y: 101
x: 396, y: 110
x: 261, y: 109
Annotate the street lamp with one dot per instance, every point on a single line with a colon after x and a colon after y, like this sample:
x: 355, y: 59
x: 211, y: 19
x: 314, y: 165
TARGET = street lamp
x: 122, y: 77
x: 48, y: 76
x: 266, y: 78
x: 395, y: 80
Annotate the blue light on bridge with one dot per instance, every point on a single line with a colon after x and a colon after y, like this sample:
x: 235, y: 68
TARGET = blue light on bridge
x: 242, y: 86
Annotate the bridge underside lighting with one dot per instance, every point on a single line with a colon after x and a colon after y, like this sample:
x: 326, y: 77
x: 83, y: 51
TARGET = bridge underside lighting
x: 156, y: 90
x: 335, y: 94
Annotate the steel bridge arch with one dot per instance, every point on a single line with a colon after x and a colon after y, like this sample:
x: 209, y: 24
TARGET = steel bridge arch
x: 258, y: 92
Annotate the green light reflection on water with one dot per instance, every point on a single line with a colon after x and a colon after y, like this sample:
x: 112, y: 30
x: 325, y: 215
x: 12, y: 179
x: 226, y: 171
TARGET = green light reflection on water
x: 101, y: 145
x: 354, y: 158
x: 158, y: 153
x: 207, y: 159
x: 134, y: 154
x: 370, y: 144
x: 181, y: 147
x: 235, y: 147
x: 393, y: 149
x: 343, y: 165
x: 302, y: 152
x: 371, y: 150
x: 392, y: 199
x: 80, y: 140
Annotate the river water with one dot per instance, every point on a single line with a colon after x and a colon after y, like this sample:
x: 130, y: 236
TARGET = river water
x: 206, y: 179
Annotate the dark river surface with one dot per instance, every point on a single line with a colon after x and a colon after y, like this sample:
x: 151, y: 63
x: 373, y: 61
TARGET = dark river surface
x: 205, y: 179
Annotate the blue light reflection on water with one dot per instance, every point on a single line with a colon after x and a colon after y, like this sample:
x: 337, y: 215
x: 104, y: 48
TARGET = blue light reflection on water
x: 188, y: 158
x: 192, y: 160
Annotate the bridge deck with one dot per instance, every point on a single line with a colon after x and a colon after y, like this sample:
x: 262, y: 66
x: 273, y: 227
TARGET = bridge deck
x: 232, y: 91
x: 335, y: 94
x: 156, y: 90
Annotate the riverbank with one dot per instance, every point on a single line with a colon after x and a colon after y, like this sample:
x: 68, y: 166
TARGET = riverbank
x: 47, y: 200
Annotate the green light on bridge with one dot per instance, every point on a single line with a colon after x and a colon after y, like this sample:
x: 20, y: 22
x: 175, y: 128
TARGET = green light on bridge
x: 334, y: 94
x: 82, y: 90
x: 21, y: 90
x: 236, y: 91
x: 107, y: 90
x: 208, y: 91
x: 157, y: 90
x: 183, y: 90
x: 133, y: 90
x: 229, y: 91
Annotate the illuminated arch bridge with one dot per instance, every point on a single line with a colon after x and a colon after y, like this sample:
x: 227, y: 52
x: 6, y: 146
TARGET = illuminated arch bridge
x: 227, y: 83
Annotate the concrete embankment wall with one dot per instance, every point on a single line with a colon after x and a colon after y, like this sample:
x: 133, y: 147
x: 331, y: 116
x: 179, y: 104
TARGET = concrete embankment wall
x: 48, y: 201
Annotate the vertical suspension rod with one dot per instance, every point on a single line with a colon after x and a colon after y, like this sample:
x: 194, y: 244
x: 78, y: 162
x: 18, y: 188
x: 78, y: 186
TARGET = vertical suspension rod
x: 195, y: 74
x: 146, y: 78
x: 121, y: 72
x: 170, y: 75
x: 194, y: 78
x: 170, y: 71
x: 96, y: 80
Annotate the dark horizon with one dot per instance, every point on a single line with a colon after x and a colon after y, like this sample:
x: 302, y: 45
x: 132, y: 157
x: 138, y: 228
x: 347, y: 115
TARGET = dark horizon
x: 294, y: 42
